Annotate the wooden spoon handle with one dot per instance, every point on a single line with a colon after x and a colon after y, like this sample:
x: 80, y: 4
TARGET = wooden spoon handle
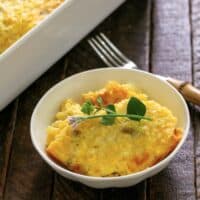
x: 189, y: 92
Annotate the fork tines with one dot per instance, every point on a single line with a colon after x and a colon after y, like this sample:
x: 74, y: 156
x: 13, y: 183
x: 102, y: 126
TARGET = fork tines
x: 108, y: 52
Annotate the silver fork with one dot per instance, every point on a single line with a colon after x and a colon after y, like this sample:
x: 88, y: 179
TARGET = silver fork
x: 109, y: 53
x: 113, y: 57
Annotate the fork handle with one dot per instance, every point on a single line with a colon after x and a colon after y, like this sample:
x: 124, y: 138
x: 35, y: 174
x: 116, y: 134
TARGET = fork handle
x: 189, y: 92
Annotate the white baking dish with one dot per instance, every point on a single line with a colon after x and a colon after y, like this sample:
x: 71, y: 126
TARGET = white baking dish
x: 36, y: 51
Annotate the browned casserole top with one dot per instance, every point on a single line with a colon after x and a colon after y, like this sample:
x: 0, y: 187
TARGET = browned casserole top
x: 122, y: 148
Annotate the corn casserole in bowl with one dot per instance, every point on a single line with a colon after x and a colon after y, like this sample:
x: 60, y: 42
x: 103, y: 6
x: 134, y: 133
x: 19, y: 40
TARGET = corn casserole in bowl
x: 102, y: 153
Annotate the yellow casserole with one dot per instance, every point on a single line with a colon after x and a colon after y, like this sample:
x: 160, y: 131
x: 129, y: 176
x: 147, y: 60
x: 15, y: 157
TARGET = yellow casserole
x: 19, y: 16
x: 125, y: 147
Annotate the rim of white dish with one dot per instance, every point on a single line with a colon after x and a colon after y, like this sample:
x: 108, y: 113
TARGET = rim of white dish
x: 94, y: 178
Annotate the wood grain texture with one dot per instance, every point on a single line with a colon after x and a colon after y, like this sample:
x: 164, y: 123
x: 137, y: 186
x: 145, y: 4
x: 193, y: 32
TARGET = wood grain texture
x: 7, y: 124
x: 28, y: 176
x: 137, y: 192
x: 129, y: 29
x: 171, y: 56
x: 69, y: 190
x: 195, y: 20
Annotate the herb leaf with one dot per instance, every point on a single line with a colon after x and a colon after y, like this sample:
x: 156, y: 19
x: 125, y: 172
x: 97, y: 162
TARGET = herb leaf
x: 109, y: 120
x: 110, y: 109
x: 87, y: 107
x: 100, y: 101
x: 135, y: 107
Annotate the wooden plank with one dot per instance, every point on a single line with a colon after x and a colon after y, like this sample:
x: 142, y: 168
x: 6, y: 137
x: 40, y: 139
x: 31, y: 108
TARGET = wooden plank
x: 195, y: 20
x: 171, y: 56
x: 7, y: 124
x: 69, y: 190
x: 28, y: 176
x: 129, y: 29
x: 137, y: 192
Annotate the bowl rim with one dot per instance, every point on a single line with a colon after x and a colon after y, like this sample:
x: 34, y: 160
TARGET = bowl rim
x: 63, y: 170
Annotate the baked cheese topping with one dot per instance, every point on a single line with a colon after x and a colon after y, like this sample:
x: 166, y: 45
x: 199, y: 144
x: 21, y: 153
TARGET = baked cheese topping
x: 125, y: 147
x: 19, y: 16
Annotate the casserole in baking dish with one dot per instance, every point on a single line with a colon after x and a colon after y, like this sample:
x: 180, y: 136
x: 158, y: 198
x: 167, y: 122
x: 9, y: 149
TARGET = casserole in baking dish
x: 39, y: 48
x: 18, y: 16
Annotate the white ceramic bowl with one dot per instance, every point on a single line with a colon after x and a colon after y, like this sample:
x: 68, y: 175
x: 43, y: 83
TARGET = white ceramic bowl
x: 73, y: 86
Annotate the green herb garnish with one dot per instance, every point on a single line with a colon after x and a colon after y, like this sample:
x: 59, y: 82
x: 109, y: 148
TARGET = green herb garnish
x: 100, y: 101
x: 109, y: 119
x: 87, y: 107
x: 135, y: 107
x: 135, y: 111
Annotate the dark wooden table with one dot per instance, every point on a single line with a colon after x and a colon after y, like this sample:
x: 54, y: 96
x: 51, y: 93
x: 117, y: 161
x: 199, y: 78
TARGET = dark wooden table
x: 160, y: 36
